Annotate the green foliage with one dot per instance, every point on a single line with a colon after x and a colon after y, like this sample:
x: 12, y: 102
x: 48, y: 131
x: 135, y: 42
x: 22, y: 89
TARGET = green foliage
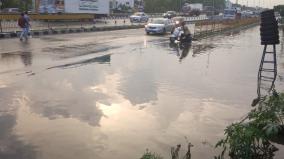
x: 22, y: 4
x: 251, y: 137
x: 216, y: 3
x: 280, y: 9
x: 150, y: 155
x: 176, y: 5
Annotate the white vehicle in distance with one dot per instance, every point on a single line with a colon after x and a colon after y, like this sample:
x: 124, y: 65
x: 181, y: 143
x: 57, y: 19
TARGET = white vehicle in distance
x: 139, y: 17
x: 159, y: 26
x: 229, y: 14
x: 11, y: 10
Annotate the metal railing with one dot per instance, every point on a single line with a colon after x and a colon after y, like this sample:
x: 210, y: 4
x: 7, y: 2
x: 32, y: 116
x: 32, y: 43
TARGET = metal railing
x: 204, y: 28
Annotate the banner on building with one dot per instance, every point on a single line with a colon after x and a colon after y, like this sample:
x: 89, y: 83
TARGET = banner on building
x: 50, y: 6
x: 88, y: 5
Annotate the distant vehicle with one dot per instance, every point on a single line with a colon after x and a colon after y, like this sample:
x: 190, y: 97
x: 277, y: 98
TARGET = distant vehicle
x: 169, y: 14
x: 11, y: 10
x: 194, y: 9
x: 229, y: 14
x: 139, y: 17
x: 247, y: 13
x: 159, y: 26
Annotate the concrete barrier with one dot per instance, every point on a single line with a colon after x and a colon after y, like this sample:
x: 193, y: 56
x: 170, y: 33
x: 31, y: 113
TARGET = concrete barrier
x: 69, y: 30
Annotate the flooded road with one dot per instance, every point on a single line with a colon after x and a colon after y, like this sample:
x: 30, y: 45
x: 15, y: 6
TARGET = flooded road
x: 115, y: 94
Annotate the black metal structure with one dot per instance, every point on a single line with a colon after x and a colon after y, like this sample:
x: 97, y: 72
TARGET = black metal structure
x: 267, y: 72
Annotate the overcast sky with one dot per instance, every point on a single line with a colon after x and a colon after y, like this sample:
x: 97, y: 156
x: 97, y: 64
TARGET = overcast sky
x: 261, y: 3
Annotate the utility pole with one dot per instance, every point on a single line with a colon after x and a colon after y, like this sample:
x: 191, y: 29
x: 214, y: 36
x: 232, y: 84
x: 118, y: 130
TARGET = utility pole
x: 1, y: 4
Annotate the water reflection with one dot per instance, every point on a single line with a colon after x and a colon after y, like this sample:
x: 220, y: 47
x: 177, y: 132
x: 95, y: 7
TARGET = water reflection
x: 181, y: 51
x: 25, y: 56
x: 68, y: 101
x: 11, y: 147
x: 144, y: 98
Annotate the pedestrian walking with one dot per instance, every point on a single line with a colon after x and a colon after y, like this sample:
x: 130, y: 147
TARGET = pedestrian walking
x: 26, y: 16
x: 24, y: 24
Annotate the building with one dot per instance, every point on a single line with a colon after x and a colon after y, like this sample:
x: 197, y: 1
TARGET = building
x: 117, y: 3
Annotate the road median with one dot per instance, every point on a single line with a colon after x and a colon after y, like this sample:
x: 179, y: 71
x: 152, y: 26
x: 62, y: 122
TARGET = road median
x: 51, y: 31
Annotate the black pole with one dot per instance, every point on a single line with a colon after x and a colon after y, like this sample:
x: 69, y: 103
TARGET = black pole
x: 1, y: 26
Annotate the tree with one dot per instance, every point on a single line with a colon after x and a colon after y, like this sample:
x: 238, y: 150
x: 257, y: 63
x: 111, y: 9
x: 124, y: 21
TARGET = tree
x: 163, y: 5
x: 22, y: 4
x: 280, y: 9
x: 176, y: 5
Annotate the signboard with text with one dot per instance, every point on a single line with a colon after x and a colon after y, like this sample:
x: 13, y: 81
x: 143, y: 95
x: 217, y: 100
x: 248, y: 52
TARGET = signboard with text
x: 88, y: 5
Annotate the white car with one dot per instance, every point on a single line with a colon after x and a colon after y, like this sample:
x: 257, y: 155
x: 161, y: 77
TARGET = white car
x: 139, y: 17
x: 159, y: 26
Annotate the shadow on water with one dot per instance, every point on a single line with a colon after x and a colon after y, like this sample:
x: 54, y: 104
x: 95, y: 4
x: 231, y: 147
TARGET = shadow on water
x: 101, y: 60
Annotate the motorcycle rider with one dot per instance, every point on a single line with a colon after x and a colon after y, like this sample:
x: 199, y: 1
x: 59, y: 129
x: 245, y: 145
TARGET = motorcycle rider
x: 186, y: 36
x: 176, y: 32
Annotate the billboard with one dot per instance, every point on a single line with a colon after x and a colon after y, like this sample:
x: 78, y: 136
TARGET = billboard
x: 87, y: 6
x: 50, y: 6
x: 72, y: 6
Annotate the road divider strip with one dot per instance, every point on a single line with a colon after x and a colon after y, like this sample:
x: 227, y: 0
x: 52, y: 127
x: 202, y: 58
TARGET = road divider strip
x: 69, y: 30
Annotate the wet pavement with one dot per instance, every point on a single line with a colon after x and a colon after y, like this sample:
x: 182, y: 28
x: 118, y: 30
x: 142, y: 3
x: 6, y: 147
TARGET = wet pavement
x: 114, y: 94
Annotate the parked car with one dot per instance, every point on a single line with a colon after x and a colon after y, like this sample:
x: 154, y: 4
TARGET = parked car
x: 159, y: 26
x: 169, y: 14
x: 139, y: 17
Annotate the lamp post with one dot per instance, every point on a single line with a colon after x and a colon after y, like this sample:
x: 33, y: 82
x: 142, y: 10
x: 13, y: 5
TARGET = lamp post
x: 0, y: 12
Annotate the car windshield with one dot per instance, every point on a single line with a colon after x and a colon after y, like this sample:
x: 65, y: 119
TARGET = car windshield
x: 138, y: 14
x: 170, y: 12
x: 229, y: 12
x: 158, y: 21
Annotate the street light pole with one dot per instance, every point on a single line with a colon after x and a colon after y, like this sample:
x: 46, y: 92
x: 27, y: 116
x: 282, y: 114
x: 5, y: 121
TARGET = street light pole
x: 1, y: 3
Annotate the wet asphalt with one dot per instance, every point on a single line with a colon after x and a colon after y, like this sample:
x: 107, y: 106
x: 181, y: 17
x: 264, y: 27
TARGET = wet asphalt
x: 115, y: 94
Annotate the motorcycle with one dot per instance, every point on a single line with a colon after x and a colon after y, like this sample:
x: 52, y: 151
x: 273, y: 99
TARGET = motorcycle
x: 178, y: 37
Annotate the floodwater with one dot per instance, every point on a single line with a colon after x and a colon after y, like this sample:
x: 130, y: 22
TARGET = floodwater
x: 115, y: 94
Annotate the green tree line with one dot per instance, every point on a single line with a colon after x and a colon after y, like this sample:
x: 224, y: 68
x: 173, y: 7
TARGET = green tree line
x: 176, y: 5
x: 280, y: 9
x: 22, y: 4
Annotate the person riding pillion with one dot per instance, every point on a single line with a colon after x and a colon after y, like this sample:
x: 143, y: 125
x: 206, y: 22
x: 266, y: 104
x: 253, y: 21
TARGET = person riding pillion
x: 186, y: 31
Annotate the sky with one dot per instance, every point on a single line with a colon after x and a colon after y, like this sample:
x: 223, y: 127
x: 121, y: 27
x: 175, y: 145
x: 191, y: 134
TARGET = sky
x: 261, y: 3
